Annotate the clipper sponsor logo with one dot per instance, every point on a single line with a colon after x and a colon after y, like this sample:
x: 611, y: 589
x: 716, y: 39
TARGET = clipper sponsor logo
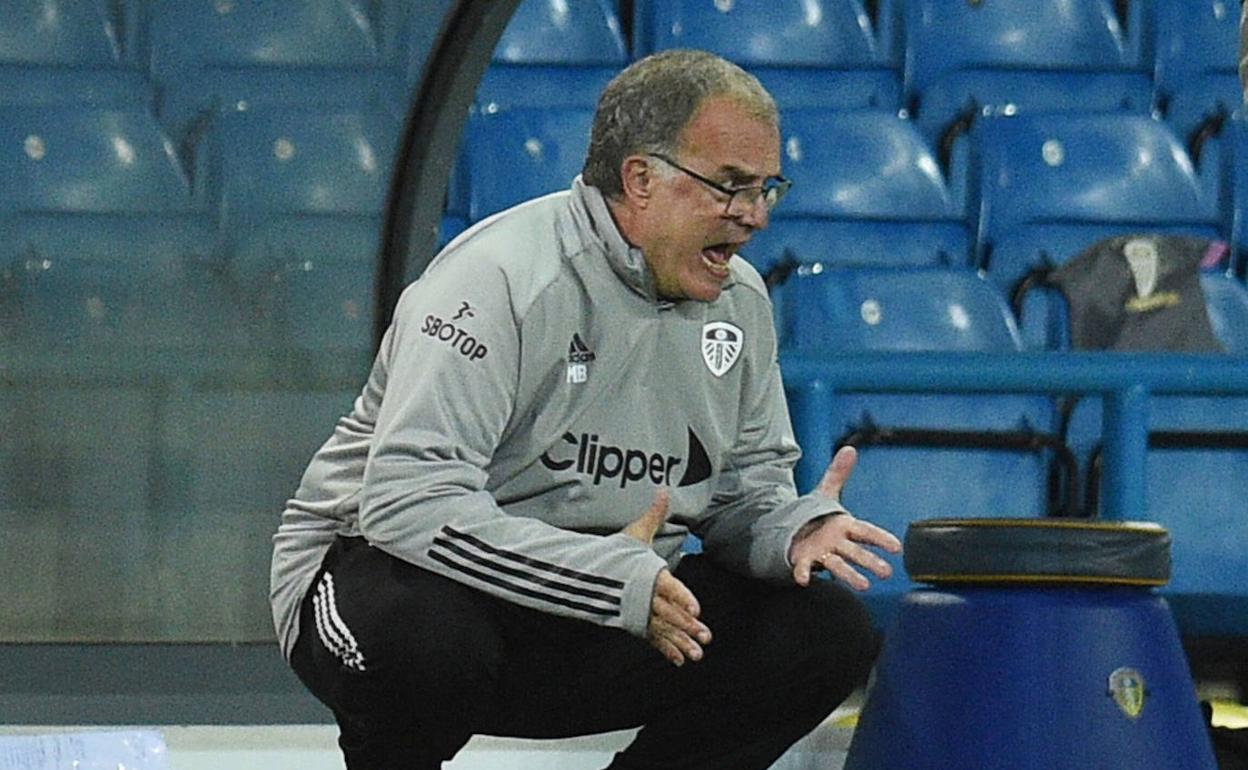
x: 589, y: 456
x: 461, y: 341
x: 579, y: 357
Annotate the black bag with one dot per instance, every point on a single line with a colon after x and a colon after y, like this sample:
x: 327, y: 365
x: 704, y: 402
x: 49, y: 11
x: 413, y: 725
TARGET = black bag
x: 1139, y: 292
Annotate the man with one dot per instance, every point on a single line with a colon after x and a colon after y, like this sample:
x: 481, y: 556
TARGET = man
x: 489, y: 542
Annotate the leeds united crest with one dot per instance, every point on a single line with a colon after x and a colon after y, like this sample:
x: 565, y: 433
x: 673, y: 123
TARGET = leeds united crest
x: 721, y: 346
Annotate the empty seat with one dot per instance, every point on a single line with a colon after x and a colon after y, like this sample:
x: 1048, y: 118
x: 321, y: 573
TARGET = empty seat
x: 301, y: 201
x: 814, y: 33
x: 554, y: 54
x: 100, y: 226
x: 867, y: 189
x: 204, y: 55
x: 1226, y: 300
x: 514, y: 155
x: 67, y: 33
x: 921, y: 455
x: 21, y: 85
x: 1193, y: 39
x: 1015, y: 56
x: 1075, y: 178
x: 943, y: 37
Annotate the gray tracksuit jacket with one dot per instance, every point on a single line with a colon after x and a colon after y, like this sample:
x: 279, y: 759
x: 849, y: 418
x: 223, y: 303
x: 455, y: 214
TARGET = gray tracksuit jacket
x: 531, y: 396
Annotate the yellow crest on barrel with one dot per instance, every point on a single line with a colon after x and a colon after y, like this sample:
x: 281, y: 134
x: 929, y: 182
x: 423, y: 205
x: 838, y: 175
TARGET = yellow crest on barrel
x: 1126, y: 686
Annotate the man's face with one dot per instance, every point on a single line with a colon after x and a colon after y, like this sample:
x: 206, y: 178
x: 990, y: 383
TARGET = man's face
x: 694, y: 232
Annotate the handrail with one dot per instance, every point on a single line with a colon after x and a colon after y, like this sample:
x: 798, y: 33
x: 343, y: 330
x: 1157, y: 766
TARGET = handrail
x: 1125, y: 380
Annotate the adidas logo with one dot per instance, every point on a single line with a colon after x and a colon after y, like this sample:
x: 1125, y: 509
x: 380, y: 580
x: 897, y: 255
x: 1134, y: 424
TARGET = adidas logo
x: 578, y: 351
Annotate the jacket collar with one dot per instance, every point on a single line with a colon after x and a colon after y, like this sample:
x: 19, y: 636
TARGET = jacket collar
x: 597, y: 227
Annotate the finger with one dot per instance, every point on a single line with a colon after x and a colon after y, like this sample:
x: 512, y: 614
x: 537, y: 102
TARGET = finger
x: 856, y: 554
x: 645, y: 527
x: 675, y: 617
x: 669, y: 650
x: 688, y: 647
x: 668, y: 587
x: 841, y: 570
x: 838, y: 471
x: 801, y: 570
x: 866, y: 532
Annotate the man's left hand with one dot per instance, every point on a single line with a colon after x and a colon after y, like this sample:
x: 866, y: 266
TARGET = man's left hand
x: 839, y: 542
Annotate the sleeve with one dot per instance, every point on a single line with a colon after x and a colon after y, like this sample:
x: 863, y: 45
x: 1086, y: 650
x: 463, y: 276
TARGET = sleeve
x: 755, y: 509
x: 453, y: 368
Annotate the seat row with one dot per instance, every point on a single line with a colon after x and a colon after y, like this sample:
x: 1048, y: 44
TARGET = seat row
x: 932, y: 455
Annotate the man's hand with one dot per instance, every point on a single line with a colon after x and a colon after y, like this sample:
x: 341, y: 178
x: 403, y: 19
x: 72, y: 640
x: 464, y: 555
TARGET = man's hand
x: 674, y: 628
x: 837, y: 542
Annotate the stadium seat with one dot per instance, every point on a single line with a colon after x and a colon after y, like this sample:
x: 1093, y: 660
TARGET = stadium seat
x: 1047, y: 184
x: 1196, y: 469
x: 514, y: 155
x: 840, y: 34
x: 204, y: 55
x: 1193, y: 39
x: 920, y: 455
x: 1019, y: 56
x: 301, y: 202
x: 943, y: 37
x: 21, y: 85
x: 100, y: 224
x: 867, y: 189
x: 67, y: 33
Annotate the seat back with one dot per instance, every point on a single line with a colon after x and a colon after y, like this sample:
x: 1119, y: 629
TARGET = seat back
x: 812, y: 33
x: 514, y: 155
x: 941, y: 37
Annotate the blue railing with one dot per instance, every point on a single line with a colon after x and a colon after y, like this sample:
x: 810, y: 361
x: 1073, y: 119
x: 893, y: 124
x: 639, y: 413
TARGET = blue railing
x: 1126, y: 381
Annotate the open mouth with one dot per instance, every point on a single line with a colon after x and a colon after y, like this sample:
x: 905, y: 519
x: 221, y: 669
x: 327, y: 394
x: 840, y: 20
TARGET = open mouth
x: 716, y: 258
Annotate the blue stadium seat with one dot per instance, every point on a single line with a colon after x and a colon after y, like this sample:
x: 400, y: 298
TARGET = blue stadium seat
x: 1195, y: 488
x: 1071, y: 35
x: 1070, y: 179
x: 67, y: 33
x: 554, y: 54
x: 585, y: 33
x: 100, y: 225
x: 923, y: 455
x: 206, y: 56
x: 301, y: 200
x: 1019, y: 56
x: 514, y: 155
x: 867, y: 189
x: 1193, y: 39
x: 813, y: 33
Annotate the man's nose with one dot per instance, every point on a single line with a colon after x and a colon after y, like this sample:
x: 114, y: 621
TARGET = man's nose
x: 754, y: 215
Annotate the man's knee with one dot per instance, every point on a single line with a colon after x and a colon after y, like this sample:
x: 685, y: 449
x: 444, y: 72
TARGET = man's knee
x: 830, y: 629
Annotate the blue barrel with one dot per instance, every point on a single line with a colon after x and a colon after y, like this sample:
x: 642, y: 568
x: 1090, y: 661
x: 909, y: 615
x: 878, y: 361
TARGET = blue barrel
x: 1031, y: 676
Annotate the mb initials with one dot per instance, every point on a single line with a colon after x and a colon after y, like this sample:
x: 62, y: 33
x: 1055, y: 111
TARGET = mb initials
x: 578, y: 372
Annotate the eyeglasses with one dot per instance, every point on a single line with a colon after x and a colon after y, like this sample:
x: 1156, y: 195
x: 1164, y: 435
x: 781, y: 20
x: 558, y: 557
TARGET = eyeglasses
x: 746, y: 198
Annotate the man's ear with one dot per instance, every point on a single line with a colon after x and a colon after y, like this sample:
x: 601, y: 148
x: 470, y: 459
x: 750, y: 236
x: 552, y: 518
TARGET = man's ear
x: 637, y: 178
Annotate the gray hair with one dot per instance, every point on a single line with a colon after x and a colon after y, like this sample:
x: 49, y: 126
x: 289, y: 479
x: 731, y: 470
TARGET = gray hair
x: 647, y: 106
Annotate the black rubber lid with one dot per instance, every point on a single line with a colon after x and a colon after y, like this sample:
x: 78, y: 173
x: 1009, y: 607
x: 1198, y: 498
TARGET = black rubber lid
x: 997, y: 551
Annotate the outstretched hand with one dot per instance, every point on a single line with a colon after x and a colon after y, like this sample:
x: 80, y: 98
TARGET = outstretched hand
x: 674, y: 628
x: 839, y: 543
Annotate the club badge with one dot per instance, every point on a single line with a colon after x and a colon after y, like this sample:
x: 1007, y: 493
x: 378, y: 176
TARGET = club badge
x: 721, y: 346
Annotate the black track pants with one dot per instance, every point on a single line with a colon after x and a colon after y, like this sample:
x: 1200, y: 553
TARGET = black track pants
x: 413, y: 664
